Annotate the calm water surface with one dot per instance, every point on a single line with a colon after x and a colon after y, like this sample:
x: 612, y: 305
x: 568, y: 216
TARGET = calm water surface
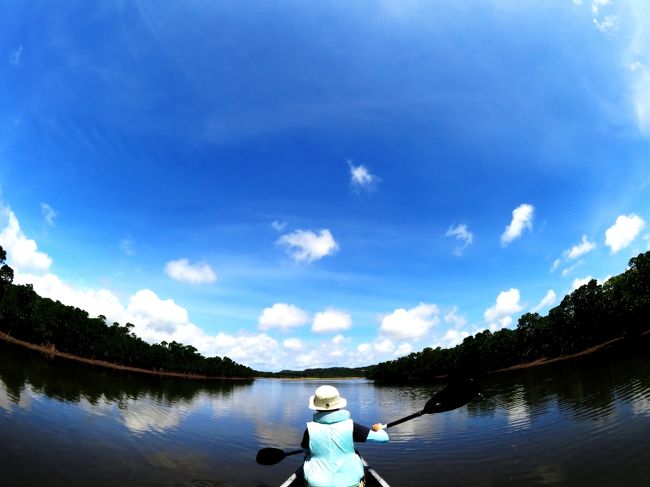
x: 583, y: 422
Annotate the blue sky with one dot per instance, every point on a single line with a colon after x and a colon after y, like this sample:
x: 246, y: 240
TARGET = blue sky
x: 298, y: 184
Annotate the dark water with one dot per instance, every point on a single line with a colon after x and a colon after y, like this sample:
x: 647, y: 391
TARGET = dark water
x: 582, y: 422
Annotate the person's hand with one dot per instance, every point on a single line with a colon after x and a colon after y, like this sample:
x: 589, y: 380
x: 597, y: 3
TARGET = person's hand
x: 377, y: 427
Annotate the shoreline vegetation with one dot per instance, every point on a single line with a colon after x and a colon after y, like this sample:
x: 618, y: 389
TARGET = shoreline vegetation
x: 592, y: 318
x: 50, y: 352
x: 69, y: 332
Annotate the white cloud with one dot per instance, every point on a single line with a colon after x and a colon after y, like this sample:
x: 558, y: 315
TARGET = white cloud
x: 361, y: 178
x: 460, y: 232
x: 584, y: 247
x: 283, y: 316
x: 607, y: 25
x: 547, y: 301
x: 453, y: 319
x: 556, y: 264
x: 15, y: 55
x: 640, y: 93
x: 383, y: 345
x: 403, y: 349
x: 22, y: 252
x: 127, y: 246
x: 149, y: 311
x: 331, y: 320
x: 364, y: 348
x: 182, y: 270
x: 623, y: 232
x: 278, y: 225
x: 292, y: 344
x: 637, y: 57
x: 522, y: 218
x: 338, y: 340
x: 568, y: 270
x: 596, y: 5
x: 410, y: 324
x: 507, y: 304
x: 580, y: 282
x: 453, y: 338
x: 48, y: 213
x: 307, y: 246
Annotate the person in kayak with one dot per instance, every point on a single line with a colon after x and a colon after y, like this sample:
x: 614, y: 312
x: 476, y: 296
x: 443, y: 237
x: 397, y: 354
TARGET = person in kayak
x: 329, y: 442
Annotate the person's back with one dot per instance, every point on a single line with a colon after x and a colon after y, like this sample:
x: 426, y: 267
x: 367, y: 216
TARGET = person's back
x: 329, y: 441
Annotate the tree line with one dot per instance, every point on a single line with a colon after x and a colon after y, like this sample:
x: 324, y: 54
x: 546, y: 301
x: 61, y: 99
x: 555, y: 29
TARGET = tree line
x: 589, y: 316
x: 29, y: 317
x: 327, y: 372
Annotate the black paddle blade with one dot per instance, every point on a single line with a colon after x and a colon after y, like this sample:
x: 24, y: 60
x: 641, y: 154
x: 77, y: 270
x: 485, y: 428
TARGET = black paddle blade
x: 455, y: 395
x: 270, y: 456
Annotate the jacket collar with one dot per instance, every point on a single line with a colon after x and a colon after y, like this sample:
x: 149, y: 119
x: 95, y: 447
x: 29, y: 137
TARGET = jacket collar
x: 330, y: 417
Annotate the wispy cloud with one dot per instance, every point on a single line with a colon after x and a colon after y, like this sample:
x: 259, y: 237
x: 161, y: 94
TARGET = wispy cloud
x: 15, y: 55
x: 279, y: 225
x: 361, y: 177
x: 127, y: 246
x: 547, y: 301
x: 308, y: 246
x: 522, y: 218
x: 48, y: 213
x: 454, y: 319
x: 568, y: 270
x: 461, y: 233
x: 623, y: 232
x: 182, y: 270
x: 578, y: 250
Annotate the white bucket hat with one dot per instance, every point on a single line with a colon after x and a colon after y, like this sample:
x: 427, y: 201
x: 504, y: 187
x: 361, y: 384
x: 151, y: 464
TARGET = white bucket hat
x: 326, y: 398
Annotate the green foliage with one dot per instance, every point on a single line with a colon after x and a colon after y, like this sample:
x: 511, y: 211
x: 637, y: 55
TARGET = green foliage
x: 329, y: 373
x: 27, y: 316
x: 590, y: 315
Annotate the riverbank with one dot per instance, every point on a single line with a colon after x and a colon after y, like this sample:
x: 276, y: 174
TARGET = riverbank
x: 591, y: 350
x: 51, y: 351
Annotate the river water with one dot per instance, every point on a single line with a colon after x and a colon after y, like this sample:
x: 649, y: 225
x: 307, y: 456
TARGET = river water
x: 579, y: 422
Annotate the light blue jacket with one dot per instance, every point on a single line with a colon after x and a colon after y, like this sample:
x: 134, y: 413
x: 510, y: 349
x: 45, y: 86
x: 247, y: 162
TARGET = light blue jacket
x: 332, y: 461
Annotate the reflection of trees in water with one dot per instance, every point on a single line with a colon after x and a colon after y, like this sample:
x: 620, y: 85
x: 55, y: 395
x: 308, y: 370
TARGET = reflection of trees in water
x: 588, y: 387
x: 73, y: 382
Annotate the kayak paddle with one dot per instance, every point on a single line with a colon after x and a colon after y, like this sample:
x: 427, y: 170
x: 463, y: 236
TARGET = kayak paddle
x: 454, y: 395
x: 271, y: 456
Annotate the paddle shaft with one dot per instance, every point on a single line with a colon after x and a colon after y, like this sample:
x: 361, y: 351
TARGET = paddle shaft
x: 400, y: 421
x: 295, y: 452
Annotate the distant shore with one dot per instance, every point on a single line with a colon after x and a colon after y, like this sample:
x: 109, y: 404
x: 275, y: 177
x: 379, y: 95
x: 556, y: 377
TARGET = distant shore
x: 50, y: 351
x: 524, y: 365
